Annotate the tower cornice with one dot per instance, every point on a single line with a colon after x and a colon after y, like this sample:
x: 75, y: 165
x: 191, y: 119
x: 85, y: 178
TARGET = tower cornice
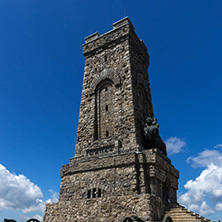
x: 121, y: 31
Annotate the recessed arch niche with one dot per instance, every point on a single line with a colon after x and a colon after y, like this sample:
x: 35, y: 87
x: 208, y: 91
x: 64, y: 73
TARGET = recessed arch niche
x: 104, y: 102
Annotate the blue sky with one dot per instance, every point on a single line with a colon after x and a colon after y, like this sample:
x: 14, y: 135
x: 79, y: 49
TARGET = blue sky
x: 41, y: 72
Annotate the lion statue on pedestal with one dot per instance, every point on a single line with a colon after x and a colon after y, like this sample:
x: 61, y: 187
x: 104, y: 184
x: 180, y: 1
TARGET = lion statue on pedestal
x: 152, y: 138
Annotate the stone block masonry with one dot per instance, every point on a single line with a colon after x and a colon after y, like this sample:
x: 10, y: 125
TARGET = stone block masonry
x: 119, y: 175
x: 113, y: 175
x: 109, y: 209
x: 116, y: 94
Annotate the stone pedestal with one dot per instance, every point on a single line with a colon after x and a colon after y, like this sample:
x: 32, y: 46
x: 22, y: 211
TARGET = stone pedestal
x: 110, y: 188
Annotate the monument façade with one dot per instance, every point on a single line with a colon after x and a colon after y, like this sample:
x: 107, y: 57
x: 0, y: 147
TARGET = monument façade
x: 120, y: 168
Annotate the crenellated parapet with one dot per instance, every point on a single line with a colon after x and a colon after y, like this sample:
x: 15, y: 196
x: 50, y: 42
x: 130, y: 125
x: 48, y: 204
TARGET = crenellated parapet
x: 122, y: 30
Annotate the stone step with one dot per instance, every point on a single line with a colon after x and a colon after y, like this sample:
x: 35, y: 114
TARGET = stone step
x: 181, y: 214
x: 176, y: 210
x: 188, y: 218
x: 184, y: 217
x: 183, y: 220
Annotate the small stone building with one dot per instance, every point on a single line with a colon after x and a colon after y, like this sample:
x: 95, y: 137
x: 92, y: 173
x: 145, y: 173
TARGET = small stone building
x: 113, y: 174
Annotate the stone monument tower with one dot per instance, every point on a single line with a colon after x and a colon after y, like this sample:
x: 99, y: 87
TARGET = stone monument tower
x: 119, y: 169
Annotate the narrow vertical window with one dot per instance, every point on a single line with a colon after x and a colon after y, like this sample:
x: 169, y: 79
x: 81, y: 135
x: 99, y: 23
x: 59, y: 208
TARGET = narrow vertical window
x: 94, y: 193
x: 89, y: 194
x: 99, y: 192
x: 106, y: 108
x: 107, y: 133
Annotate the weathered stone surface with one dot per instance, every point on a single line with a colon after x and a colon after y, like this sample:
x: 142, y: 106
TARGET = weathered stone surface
x: 116, y: 95
x: 106, y: 209
x: 113, y: 175
x: 126, y: 174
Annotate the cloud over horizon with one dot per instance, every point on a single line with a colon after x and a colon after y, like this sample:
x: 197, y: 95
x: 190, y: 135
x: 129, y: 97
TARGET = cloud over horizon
x: 204, y: 193
x: 18, y: 193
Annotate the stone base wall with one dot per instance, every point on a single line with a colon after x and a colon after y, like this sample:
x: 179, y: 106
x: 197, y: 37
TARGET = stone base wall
x: 147, y: 172
x: 115, y: 187
x: 111, y: 209
x: 111, y: 181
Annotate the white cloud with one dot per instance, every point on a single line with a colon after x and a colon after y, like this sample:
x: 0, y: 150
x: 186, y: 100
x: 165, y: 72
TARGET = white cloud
x: 205, y: 209
x: 218, y: 146
x: 40, y: 204
x: 174, y: 145
x: 206, y: 189
x: 17, y: 191
x: 219, y: 206
x: 206, y: 158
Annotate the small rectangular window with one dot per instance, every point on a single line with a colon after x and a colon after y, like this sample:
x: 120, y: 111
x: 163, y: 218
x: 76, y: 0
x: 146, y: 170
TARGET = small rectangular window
x: 94, y: 192
x: 106, y: 108
x: 99, y: 192
x: 89, y: 194
x: 107, y: 133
